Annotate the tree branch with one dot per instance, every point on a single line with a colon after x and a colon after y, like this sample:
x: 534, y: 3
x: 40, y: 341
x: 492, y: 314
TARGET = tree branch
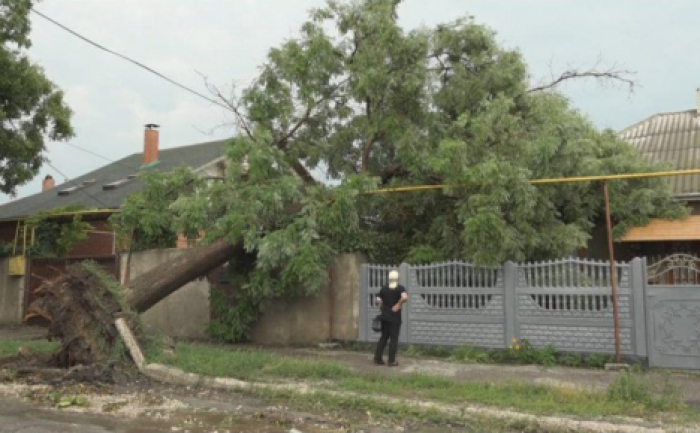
x: 241, y: 120
x: 283, y: 139
x: 612, y: 74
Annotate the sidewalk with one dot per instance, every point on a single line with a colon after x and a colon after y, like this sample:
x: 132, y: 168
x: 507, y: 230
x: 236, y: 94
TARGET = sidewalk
x: 688, y: 382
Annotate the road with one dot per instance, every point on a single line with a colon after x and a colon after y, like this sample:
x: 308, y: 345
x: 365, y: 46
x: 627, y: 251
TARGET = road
x: 20, y: 417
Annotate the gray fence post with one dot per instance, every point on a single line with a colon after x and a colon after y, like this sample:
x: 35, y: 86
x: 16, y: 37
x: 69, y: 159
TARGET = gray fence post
x: 364, y: 307
x: 405, y: 280
x: 510, y: 304
x: 638, y: 286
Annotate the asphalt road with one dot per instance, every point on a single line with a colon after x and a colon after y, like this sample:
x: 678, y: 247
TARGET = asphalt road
x: 19, y: 417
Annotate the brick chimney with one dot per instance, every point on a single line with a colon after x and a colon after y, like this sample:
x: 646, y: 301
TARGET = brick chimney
x: 150, y: 144
x: 48, y: 183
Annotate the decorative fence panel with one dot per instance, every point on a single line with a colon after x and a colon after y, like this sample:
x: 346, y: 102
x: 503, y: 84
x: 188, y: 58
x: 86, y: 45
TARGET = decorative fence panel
x: 565, y: 303
x: 456, y: 303
x: 569, y: 304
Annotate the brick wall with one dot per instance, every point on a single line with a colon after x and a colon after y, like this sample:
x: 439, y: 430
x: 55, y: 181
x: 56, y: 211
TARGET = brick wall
x: 97, y: 244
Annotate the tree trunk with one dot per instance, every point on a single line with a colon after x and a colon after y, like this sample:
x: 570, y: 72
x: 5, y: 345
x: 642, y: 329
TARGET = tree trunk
x: 148, y: 289
x: 81, y: 304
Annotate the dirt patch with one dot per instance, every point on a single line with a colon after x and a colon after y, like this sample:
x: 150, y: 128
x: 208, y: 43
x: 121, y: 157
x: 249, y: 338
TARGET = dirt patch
x: 196, y: 410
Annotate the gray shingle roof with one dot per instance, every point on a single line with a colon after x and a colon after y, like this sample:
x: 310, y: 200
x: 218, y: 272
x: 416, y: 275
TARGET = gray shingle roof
x: 193, y: 156
x: 671, y: 138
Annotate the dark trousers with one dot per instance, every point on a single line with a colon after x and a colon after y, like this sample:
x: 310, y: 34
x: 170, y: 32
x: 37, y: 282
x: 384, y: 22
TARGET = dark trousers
x: 390, y: 331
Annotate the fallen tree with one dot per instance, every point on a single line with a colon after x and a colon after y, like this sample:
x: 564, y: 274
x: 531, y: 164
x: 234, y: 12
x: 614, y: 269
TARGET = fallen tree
x: 378, y: 106
x: 81, y: 305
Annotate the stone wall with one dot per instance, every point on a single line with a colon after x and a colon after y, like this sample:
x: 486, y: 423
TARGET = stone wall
x: 307, y: 320
x: 185, y: 313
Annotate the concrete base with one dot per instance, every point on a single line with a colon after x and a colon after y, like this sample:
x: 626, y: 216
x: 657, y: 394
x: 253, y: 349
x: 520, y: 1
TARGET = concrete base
x: 329, y: 346
x: 617, y: 367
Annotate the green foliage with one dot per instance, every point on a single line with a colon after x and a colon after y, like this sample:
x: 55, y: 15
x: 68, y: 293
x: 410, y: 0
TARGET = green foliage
x: 470, y: 354
x: 111, y: 284
x: 375, y: 106
x: 637, y: 389
x: 232, y: 316
x: 149, y: 220
x: 6, y: 249
x: 519, y: 352
x: 597, y: 360
x: 32, y: 109
x: 523, y: 352
x: 571, y: 360
x: 57, y: 235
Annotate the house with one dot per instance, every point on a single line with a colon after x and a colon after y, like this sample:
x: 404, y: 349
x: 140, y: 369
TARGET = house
x: 104, y: 190
x: 673, y: 139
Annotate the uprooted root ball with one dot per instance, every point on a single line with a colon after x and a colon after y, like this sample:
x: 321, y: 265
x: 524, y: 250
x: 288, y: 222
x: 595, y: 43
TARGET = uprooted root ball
x: 81, y: 306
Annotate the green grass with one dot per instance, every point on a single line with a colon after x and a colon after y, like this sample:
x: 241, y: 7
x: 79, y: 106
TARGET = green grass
x: 536, y: 399
x: 9, y: 347
x: 249, y: 364
x: 630, y: 395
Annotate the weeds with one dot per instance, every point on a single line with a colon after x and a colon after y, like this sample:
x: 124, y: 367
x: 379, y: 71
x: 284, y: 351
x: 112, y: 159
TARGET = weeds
x: 635, y: 389
x: 518, y: 352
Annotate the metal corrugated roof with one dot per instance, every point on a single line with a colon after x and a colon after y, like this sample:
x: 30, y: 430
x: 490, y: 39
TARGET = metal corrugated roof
x: 673, y: 139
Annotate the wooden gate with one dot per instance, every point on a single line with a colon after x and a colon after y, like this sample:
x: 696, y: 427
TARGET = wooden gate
x: 42, y: 270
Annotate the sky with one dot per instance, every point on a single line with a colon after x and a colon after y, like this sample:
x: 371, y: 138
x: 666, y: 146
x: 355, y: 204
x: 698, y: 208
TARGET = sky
x: 226, y: 41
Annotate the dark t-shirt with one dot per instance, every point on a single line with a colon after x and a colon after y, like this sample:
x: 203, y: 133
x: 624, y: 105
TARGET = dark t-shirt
x: 391, y: 297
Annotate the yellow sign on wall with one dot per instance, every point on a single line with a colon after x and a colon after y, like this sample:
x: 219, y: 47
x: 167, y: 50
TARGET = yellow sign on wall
x: 17, y: 265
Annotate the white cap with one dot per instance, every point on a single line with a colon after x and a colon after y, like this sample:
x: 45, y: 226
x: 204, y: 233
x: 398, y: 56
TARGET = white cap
x: 393, y: 279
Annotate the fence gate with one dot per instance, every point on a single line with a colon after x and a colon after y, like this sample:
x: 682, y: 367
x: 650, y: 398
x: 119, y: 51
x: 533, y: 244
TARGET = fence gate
x: 673, y: 312
x: 40, y: 270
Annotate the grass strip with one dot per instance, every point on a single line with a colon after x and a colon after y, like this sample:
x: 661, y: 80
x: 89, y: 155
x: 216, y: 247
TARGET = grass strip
x: 10, y: 347
x: 629, y: 395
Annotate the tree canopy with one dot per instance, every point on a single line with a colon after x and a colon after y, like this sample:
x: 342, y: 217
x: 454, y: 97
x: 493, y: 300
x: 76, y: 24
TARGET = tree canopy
x: 374, y: 105
x: 31, y: 107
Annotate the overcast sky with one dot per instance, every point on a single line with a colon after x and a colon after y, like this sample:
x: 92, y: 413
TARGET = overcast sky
x: 227, y: 40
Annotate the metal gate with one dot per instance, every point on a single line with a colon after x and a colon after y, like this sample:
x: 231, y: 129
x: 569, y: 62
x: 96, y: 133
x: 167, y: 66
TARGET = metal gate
x: 41, y: 270
x: 673, y: 312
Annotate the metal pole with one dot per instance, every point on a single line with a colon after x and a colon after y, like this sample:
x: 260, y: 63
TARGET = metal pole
x: 331, y: 303
x: 613, y: 276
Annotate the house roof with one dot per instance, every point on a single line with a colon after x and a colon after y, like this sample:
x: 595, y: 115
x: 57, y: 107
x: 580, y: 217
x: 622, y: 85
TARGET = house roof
x: 92, y: 193
x: 671, y: 138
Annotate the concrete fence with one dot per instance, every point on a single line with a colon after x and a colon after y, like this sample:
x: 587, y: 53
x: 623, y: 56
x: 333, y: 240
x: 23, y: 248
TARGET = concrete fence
x: 565, y: 303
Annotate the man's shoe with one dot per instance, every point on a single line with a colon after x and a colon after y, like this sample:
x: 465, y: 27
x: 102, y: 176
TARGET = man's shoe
x: 393, y: 364
x: 379, y: 362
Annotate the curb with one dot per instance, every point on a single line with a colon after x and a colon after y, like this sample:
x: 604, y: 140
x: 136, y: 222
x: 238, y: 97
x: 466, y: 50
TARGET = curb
x: 176, y: 376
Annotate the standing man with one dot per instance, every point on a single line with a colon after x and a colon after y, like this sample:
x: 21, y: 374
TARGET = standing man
x: 391, y: 299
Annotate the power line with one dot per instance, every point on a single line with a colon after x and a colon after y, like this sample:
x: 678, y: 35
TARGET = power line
x: 130, y: 60
x: 80, y: 187
x: 102, y: 157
